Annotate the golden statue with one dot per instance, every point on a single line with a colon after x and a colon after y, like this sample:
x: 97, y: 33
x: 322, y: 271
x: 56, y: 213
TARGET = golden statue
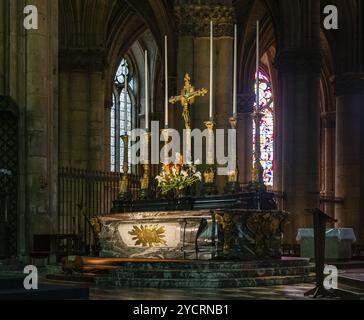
x: 227, y: 225
x: 187, y: 98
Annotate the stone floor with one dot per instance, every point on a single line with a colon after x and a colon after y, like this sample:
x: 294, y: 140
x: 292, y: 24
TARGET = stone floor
x: 355, y: 274
x: 290, y: 292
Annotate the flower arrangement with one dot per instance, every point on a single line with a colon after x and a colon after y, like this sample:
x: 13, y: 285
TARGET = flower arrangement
x: 178, y: 177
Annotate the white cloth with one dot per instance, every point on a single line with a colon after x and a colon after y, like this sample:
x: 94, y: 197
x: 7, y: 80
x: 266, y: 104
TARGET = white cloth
x: 339, y: 233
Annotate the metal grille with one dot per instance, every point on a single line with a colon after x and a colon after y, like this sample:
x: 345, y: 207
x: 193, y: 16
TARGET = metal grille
x: 8, y: 175
x: 85, y: 194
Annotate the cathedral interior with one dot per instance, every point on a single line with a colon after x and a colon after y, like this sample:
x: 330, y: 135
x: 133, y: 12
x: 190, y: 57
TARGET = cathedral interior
x: 74, y: 79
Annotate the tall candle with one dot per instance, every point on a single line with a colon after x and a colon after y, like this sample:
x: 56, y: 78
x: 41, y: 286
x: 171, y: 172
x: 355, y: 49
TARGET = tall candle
x: 166, y: 81
x: 146, y: 92
x: 235, y: 71
x: 211, y: 70
x: 126, y: 103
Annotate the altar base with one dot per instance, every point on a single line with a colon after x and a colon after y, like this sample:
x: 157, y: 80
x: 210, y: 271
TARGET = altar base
x: 193, y: 235
x: 151, y: 273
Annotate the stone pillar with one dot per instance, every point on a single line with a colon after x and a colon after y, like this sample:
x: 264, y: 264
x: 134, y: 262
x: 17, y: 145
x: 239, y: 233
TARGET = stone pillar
x: 82, y: 107
x: 245, y: 137
x: 299, y: 74
x: 328, y: 121
x: 194, y: 57
x: 350, y: 152
x: 42, y: 120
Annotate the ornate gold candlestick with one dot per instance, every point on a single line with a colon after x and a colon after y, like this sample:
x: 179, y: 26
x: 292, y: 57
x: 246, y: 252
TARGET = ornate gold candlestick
x: 233, y: 184
x: 145, y: 180
x: 124, y: 192
x: 210, y: 174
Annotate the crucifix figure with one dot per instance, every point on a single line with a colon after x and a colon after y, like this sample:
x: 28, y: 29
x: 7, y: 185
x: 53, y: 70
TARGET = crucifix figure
x: 187, y: 98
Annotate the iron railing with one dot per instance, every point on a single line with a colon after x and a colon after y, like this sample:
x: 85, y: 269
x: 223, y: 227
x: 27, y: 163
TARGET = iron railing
x: 86, y: 194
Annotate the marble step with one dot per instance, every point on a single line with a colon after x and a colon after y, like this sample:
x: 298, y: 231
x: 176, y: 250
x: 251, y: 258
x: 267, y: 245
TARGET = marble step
x: 352, y: 281
x: 212, y: 265
x: 216, y: 274
x: 203, y: 283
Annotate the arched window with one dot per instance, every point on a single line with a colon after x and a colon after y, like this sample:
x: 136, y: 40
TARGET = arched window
x: 121, y: 114
x: 266, y: 127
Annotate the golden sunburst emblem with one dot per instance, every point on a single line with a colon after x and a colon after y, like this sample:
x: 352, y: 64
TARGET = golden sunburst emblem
x: 148, y: 236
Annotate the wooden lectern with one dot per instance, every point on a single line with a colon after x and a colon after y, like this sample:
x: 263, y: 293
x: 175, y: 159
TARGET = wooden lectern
x: 320, y: 219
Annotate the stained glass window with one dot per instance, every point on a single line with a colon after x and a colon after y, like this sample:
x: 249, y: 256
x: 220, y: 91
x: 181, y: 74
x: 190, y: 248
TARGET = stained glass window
x: 266, y: 127
x: 121, y: 115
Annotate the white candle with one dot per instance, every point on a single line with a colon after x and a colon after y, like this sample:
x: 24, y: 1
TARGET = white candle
x: 235, y: 71
x: 166, y: 81
x: 126, y: 104
x: 146, y: 92
x: 211, y: 70
x: 257, y: 68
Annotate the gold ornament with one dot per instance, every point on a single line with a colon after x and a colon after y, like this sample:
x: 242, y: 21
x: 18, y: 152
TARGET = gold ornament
x: 227, y: 225
x: 187, y: 98
x: 209, y: 176
x: 148, y: 236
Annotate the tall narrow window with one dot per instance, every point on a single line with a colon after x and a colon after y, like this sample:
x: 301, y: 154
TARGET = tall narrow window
x: 266, y: 127
x: 121, y: 114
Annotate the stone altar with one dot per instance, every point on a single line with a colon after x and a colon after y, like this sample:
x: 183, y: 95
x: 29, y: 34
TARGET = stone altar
x: 245, y: 234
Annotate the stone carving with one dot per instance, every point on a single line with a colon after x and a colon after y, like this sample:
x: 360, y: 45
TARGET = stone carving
x: 194, y: 19
x: 298, y: 61
x: 349, y: 83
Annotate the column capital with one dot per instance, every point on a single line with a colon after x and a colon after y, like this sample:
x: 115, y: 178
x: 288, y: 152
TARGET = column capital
x: 193, y: 18
x: 328, y: 120
x: 245, y: 103
x: 349, y: 83
x: 82, y: 59
x: 299, y: 61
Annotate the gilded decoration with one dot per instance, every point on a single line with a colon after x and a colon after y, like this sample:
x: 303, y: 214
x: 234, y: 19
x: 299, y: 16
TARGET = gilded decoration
x: 265, y: 228
x: 148, y: 236
x: 227, y: 225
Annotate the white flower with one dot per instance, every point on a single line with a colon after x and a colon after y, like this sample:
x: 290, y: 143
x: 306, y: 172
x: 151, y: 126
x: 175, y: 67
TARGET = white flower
x: 198, y: 175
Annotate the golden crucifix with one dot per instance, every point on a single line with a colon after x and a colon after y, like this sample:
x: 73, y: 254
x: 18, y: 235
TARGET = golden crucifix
x: 187, y: 98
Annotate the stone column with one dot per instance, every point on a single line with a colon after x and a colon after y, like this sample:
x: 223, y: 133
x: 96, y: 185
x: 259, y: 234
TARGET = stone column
x: 328, y: 121
x: 245, y: 137
x: 82, y: 107
x: 42, y: 120
x: 299, y: 73
x: 194, y: 57
x: 350, y: 152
